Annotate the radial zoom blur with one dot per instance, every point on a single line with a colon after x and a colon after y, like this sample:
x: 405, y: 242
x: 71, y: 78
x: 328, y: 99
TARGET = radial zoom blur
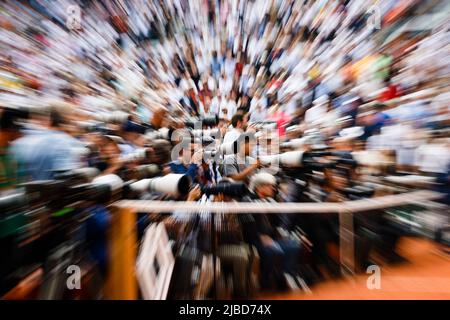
x: 224, y: 149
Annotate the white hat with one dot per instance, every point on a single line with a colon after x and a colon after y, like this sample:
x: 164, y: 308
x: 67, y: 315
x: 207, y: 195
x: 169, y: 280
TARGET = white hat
x: 351, y: 133
x: 261, y: 178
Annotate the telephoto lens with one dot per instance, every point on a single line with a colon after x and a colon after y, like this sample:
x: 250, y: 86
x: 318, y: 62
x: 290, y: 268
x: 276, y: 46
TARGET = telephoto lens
x: 268, y: 125
x: 347, y: 162
x: 11, y: 214
x: 228, y: 148
x: 114, y: 117
x: 13, y: 117
x: 210, y: 121
x: 163, y: 133
x: 171, y: 184
x: 137, y: 155
x: 288, y: 159
x: 147, y: 171
x: 130, y: 126
x: 80, y: 175
x: 44, y: 191
x: 231, y: 189
x: 89, y: 126
x: 358, y: 192
x: 106, y: 188
x: 311, y: 164
x: 73, y: 191
x: 294, y: 143
x: 213, y: 133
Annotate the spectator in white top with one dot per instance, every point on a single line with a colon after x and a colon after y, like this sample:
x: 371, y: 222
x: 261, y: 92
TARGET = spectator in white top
x: 229, y: 65
x: 231, y: 103
x: 317, y: 112
x: 433, y: 158
x: 214, y: 107
x: 258, y: 114
x: 238, y: 123
x: 225, y: 84
x: 227, y: 108
x: 223, y: 108
x: 258, y: 100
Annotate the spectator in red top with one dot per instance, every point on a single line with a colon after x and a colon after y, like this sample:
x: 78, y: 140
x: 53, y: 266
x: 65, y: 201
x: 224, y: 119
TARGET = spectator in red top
x: 239, y: 67
x: 390, y: 91
x: 281, y: 118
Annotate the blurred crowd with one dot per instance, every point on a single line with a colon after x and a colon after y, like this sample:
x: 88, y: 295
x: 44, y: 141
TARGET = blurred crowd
x: 353, y: 94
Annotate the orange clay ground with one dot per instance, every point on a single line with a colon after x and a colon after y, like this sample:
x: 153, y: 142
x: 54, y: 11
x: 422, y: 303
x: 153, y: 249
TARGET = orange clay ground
x: 425, y: 276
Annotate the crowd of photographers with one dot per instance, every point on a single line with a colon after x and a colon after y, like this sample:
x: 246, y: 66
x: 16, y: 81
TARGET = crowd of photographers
x: 260, y: 101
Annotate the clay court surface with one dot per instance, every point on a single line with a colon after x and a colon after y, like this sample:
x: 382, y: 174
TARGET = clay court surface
x: 425, y: 276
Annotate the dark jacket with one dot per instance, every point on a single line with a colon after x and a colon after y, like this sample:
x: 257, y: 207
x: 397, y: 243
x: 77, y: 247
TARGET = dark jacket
x: 255, y: 225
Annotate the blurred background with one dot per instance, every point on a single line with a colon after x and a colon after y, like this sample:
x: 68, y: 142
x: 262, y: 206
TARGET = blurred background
x: 224, y: 149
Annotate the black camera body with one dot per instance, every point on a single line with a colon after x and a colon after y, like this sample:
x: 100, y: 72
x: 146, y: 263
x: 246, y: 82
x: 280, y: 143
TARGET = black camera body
x: 210, y: 121
x: 231, y: 189
x: 43, y: 214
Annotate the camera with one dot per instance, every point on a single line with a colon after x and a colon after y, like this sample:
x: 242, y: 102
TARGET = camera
x: 288, y: 159
x: 294, y: 143
x: 358, y: 192
x: 137, y: 155
x: 171, y: 184
x: 267, y: 125
x: 146, y: 171
x: 79, y: 175
x: 210, y: 121
x: 231, y: 189
x: 224, y: 149
x: 113, y: 117
x: 42, y: 215
x: 213, y: 133
x: 163, y: 133
x: 13, y: 117
x: 130, y: 126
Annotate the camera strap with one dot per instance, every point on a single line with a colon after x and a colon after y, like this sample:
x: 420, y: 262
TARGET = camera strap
x: 214, y: 169
x: 236, y: 164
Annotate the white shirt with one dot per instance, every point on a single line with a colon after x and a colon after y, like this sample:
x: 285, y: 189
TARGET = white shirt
x: 211, y: 84
x: 232, y: 135
x: 432, y: 158
x: 255, y: 101
x: 229, y: 67
x: 225, y: 85
x: 223, y: 104
x: 314, y: 114
x: 214, y: 107
x: 258, y: 115
x: 230, y: 106
x: 201, y: 64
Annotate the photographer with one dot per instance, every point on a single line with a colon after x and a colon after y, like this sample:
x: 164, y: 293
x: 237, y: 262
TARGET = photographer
x: 238, y: 123
x: 232, y: 251
x: 188, y: 162
x: 263, y: 234
x: 228, y: 237
x: 46, y: 147
x: 132, y: 134
x: 109, y: 161
x: 160, y: 152
x: 239, y: 167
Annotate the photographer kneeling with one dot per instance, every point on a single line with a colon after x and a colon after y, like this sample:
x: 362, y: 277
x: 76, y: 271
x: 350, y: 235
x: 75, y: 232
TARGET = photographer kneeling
x: 232, y: 250
x: 263, y: 233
